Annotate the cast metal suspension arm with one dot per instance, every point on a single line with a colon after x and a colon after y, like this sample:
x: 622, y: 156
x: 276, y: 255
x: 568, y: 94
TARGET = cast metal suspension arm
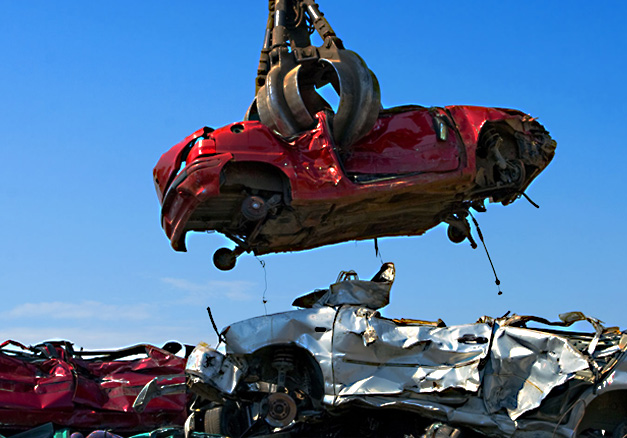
x: 291, y: 69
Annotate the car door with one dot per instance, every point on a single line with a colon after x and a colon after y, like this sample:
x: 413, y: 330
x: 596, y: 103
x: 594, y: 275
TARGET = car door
x: 373, y: 355
x: 406, y: 140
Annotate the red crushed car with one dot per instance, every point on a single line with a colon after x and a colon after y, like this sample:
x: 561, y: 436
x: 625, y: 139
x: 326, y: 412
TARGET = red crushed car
x: 416, y: 168
x: 85, y: 390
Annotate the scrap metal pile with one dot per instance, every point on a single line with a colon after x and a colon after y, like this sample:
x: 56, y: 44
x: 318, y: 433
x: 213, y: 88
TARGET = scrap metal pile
x: 86, y: 390
x: 336, y: 367
x: 296, y: 174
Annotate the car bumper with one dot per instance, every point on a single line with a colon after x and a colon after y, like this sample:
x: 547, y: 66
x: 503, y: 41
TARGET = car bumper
x: 195, y: 184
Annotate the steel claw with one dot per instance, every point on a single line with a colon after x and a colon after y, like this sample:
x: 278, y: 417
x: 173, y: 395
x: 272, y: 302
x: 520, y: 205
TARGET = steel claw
x: 360, y: 98
x: 288, y: 101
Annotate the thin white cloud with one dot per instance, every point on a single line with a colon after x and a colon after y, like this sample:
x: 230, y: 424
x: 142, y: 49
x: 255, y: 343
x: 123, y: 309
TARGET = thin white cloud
x: 92, y: 310
x: 238, y: 290
x: 95, y: 338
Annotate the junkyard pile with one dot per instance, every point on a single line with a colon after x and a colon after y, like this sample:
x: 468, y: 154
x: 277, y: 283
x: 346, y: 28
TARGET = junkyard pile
x: 334, y: 367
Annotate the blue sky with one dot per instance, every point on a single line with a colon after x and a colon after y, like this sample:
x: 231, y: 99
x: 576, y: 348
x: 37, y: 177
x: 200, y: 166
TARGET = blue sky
x: 92, y: 93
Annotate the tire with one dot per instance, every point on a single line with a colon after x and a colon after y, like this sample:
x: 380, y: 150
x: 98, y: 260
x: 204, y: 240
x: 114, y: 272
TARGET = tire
x: 224, y: 259
x: 227, y: 420
x: 213, y: 423
x: 455, y: 235
x: 620, y: 431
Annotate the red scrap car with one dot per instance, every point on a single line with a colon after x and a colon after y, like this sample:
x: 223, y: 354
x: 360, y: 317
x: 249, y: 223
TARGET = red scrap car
x: 416, y: 168
x: 85, y: 390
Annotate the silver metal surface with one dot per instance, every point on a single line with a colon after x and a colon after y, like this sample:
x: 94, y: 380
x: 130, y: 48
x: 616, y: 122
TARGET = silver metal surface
x: 525, y: 365
x: 152, y: 390
x: 415, y: 358
x: 214, y: 369
x: 358, y: 293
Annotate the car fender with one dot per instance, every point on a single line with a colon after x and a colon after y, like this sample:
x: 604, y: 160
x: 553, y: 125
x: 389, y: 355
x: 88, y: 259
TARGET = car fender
x: 193, y: 185
x: 170, y: 162
x: 211, y: 367
x: 309, y: 329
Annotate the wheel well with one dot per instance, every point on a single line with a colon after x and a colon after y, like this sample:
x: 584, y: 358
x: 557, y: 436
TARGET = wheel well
x: 605, y: 412
x: 304, y: 360
x: 257, y: 176
x: 504, y: 130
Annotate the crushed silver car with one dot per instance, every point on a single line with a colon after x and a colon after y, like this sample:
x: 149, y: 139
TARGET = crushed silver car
x: 336, y: 367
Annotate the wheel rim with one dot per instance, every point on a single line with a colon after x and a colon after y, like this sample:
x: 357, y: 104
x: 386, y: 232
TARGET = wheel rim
x: 224, y: 259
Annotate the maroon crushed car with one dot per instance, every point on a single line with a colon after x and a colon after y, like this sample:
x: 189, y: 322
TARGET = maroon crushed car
x: 416, y: 168
x: 85, y: 390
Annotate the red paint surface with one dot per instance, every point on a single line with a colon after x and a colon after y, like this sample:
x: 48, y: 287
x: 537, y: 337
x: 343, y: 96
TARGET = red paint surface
x: 87, y: 394
x: 404, y: 143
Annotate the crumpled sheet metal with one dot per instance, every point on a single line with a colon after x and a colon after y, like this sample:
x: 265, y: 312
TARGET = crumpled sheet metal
x: 52, y: 383
x: 49, y: 430
x: 311, y: 329
x: 525, y: 365
x: 362, y: 354
x: 213, y: 368
x: 358, y: 293
x: 472, y: 415
x: 484, y: 375
x: 373, y: 355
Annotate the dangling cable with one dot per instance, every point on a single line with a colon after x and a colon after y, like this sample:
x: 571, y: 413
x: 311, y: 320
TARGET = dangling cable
x: 215, y: 327
x: 265, y: 287
x: 480, y: 234
x: 377, y: 253
x: 530, y: 201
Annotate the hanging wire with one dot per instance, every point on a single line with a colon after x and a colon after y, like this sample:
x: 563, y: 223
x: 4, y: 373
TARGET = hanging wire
x: 215, y: 327
x: 265, y: 286
x: 377, y: 253
x: 480, y: 234
x: 530, y: 201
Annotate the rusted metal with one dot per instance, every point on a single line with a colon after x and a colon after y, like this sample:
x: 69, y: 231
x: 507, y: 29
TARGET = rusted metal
x: 291, y: 69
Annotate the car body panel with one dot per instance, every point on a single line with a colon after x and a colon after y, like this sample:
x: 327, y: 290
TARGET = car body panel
x: 404, y: 142
x: 374, y: 355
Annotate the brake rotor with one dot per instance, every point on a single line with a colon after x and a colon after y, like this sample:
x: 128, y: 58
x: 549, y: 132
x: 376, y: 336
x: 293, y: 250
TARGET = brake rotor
x: 281, y: 409
x: 254, y: 208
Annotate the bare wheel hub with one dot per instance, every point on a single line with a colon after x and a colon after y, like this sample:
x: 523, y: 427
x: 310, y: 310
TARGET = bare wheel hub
x: 254, y: 208
x: 281, y: 410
